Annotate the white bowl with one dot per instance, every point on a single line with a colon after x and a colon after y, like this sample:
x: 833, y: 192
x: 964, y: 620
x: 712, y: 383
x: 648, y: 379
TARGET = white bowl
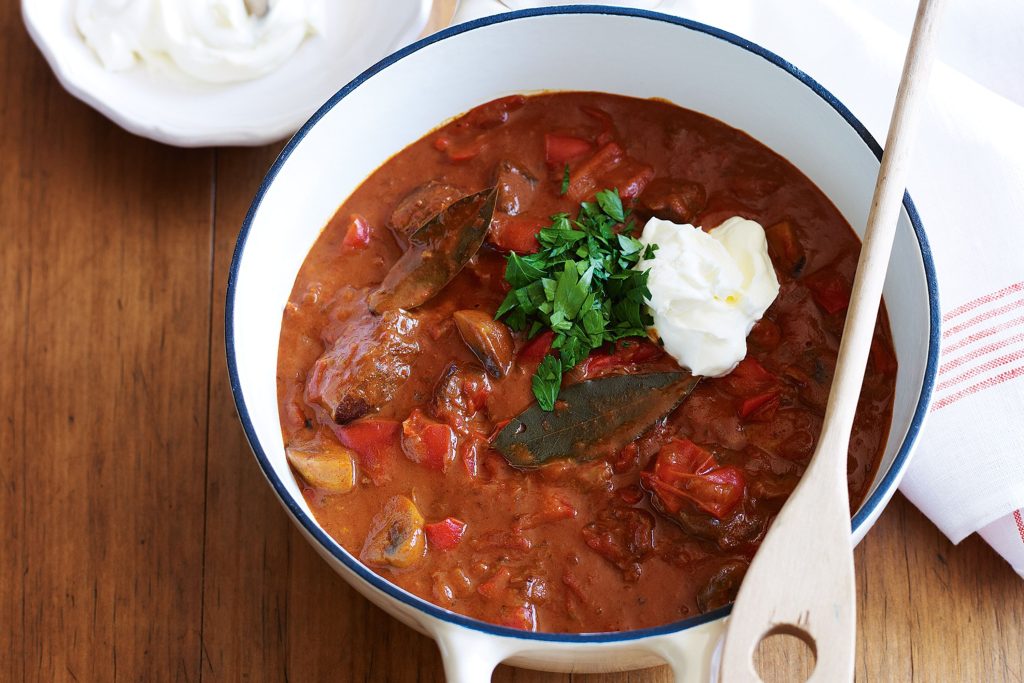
x: 571, y: 48
x: 254, y: 112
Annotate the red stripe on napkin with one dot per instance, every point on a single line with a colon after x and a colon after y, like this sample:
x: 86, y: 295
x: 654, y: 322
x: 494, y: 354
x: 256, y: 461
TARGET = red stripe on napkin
x: 978, y: 361
x: 982, y: 300
x: 1020, y: 524
x: 975, y: 388
x: 981, y: 318
x: 980, y: 370
x: 980, y: 351
x: 977, y: 336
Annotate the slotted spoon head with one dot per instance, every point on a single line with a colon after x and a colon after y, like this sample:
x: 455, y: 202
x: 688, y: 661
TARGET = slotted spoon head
x: 801, y: 583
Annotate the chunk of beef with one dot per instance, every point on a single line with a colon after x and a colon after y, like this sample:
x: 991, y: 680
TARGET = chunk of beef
x: 460, y: 394
x: 515, y: 188
x: 422, y: 204
x: 790, y: 435
x: 630, y: 178
x: 609, y: 167
x: 673, y: 200
x: 364, y: 366
x: 624, y: 536
x: 721, y: 587
x: 739, y: 527
x: 784, y: 246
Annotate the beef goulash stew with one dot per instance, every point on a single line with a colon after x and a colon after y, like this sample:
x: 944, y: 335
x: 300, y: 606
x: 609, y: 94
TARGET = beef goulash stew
x: 484, y: 401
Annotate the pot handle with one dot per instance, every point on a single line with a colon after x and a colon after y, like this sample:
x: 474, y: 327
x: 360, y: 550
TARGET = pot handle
x: 693, y: 654
x: 467, y: 10
x: 471, y: 657
x: 468, y: 656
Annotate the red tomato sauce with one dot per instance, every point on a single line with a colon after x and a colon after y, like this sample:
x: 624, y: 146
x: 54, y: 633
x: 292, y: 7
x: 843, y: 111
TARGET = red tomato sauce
x: 662, y: 530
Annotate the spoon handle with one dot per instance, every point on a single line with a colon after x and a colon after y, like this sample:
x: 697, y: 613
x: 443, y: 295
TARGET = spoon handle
x: 801, y: 580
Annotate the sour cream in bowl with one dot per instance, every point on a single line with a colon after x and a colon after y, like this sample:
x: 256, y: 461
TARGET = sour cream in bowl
x: 211, y: 41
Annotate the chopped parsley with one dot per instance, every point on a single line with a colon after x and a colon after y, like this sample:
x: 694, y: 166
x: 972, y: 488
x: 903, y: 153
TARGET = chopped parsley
x: 565, y: 181
x: 581, y: 285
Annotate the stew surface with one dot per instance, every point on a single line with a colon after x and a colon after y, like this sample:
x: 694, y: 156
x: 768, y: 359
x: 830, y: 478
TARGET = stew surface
x: 388, y: 414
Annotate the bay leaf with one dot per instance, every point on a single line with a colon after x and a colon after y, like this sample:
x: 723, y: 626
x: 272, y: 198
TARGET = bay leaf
x: 437, y: 252
x: 593, y: 419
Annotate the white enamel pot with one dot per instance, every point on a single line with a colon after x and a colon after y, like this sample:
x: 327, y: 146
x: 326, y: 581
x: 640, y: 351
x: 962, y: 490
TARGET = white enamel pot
x: 628, y: 52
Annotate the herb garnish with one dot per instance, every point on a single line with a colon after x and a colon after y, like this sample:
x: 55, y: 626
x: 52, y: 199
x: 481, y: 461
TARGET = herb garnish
x: 581, y: 285
x: 565, y: 181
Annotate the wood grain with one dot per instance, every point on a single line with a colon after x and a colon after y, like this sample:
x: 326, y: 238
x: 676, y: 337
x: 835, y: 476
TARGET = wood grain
x: 110, y: 312
x: 138, y: 540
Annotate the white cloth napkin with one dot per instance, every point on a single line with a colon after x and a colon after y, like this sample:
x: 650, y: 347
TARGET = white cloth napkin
x: 967, y: 180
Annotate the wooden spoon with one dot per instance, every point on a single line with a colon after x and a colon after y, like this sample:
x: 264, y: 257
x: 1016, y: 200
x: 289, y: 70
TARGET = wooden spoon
x: 801, y: 580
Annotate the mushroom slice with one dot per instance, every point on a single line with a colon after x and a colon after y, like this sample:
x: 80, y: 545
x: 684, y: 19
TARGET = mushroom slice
x: 420, y: 205
x: 489, y: 340
x: 324, y: 464
x: 396, y: 539
x: 516, y: 186
x: 437, y: 253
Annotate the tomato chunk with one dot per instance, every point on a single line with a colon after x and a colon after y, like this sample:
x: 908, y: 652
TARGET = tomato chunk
x: 494, y: 586
x: 357, y: 235
x: 538, y: 347
x: 764, y: 405
x: 561, y: 149
x: 685, y: 472
x: 882, y: 360
x: 446, y: 534
x: 517, y: 233
x: 428, y: 442
x: 519, y: 616
x: 830, y: 290
x: 626, y: 353
x: 747, y: 378
x: 375, y: 443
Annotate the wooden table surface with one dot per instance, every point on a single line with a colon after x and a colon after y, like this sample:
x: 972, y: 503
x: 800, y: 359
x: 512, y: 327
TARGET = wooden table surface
x: 139, y: 541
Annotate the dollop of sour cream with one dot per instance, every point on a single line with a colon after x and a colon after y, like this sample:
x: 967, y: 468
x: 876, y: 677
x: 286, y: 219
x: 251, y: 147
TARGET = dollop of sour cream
x: 212, y: 41
x: 708, y: 289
